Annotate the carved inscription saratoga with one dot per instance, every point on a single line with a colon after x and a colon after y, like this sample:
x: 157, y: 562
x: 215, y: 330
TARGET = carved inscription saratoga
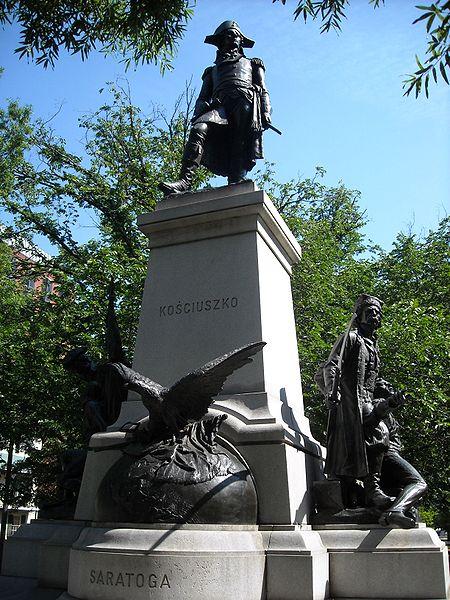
x: 196, y: 306
x: 125, y: 579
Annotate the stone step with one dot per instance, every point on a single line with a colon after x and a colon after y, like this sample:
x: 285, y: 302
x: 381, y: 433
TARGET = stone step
x: 25, y: 588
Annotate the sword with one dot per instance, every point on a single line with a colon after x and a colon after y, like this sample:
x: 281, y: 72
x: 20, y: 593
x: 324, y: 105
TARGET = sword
x: 273, y: 128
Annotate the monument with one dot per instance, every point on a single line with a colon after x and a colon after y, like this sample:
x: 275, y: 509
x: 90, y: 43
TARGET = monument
x: 203, y: 486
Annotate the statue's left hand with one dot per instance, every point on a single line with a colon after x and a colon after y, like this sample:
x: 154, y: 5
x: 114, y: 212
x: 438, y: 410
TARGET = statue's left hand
x: 267, y: 119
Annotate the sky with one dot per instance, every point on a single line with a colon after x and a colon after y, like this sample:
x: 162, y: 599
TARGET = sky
x: 337, y: 98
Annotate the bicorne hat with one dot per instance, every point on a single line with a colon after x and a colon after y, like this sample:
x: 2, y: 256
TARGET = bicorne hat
x: 213, y: 39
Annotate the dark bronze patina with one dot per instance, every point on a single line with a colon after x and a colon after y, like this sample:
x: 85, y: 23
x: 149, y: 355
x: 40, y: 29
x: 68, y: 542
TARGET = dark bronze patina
x: 231, y: 112
x: 363, y: 442
x: 173, y: 470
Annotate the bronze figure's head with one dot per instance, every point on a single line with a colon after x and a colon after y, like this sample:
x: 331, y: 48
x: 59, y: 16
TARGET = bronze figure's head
x: 368, y: 310
x: 229, y: 36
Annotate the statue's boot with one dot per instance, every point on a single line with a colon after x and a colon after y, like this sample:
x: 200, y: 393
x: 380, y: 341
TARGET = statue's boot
x: 237, y: 178
x: 396, y: 518
x: 237, y: 173
x: 374, y: 495
x: 405, y: 501
x: 192, y: 157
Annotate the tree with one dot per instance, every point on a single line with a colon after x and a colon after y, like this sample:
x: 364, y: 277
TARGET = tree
x: 35, y: 402
x: 44, y: 189
x: 436, y: 15
x: 140, y: 31
x: 413, y: 280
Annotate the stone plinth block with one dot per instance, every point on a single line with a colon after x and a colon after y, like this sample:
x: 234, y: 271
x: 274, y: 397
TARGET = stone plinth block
x: 99, y: 461
x: 297, y: 565
x: 21, y: 551
x: 172, y: 562
x: 381, y: 563
x: 219, y: 278
x: 40, y: 549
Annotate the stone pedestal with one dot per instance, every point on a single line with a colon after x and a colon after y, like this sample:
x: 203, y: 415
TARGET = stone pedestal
x: 207, y: 562
x: 219, y: 278
x: 377, y: 563
x: 41, y: 550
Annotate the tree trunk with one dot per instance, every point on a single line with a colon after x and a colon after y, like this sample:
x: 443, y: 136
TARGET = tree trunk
x: 6, y: 496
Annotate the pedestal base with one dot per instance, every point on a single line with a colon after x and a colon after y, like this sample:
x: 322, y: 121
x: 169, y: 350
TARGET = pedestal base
x: 224, y: 562
x: 376, y: 563
x: 197, y: 561
x: 41, y: 550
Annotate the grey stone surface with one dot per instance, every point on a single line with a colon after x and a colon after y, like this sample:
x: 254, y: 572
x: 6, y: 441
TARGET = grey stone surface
x: 22, y: 550
x: 198, y: 562
x: 389, y: 563
x: 223, y: 191
x: 98, y: 463
x: 53, y: 565
x: 168, y: 562
x: 297, y: 565
x: 40, y: 550
x: 223, y: 264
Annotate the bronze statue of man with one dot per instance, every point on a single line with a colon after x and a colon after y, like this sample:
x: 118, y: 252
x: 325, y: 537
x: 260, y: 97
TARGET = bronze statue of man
x: 231, y: 112
x: 362, y: 438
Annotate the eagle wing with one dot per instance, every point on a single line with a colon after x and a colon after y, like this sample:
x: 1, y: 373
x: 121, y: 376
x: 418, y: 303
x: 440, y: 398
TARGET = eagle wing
x: 192, y: 395
x: 150, y: 391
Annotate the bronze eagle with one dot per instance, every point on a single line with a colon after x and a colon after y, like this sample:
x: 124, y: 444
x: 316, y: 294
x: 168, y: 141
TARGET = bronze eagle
x: 186, y: 401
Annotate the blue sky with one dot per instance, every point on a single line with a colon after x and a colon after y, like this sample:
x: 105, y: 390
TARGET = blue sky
x: 337, y: 98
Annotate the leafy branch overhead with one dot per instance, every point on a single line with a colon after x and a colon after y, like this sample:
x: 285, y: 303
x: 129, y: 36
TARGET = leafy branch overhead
x: 141, y: 31
x: 437, y: 17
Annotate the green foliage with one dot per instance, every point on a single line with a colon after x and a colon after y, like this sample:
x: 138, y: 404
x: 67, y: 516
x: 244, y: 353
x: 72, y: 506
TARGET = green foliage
x: 36, y: 401
x: 46, y: 190
x: 437, y: 64
x: 140, y: 31
x: 414, y: 281
x: 437, y: 16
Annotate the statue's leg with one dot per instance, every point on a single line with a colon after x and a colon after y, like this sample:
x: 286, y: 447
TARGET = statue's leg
x: 192, y: 157
x: 374, y: 495
x: 400, y: 473
x: 377, y: 440
x: 240, y: 120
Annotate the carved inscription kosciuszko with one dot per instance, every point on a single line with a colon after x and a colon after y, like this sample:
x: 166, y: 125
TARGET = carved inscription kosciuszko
x: 196, y: 306
x: 128, y: 579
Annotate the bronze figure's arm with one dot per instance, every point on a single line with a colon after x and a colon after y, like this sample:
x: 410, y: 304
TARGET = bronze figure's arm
x: 259, y: 80
x: 203, y: 103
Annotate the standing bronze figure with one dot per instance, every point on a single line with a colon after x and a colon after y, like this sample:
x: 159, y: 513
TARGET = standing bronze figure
x: 230, y: 114
x: 362, y: 438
